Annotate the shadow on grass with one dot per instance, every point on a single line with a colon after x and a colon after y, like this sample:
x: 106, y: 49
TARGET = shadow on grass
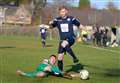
x: 4, y: 47
x: 49, y: 45
x: 113, y: 72
x: 108, y: 72
x: 94, y: 67
x: 75, y: 68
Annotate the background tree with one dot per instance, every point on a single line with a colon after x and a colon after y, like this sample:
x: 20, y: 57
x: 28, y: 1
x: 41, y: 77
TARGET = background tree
x: 38, y: 5
x: 111, y: 6
x: 83, y: 4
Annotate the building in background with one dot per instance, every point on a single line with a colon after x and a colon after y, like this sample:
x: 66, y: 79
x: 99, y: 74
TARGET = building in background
x: 9, y: 2
x: 19, y: 15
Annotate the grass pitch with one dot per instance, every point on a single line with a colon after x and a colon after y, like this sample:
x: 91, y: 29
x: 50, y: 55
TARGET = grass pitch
x: 26, y: 53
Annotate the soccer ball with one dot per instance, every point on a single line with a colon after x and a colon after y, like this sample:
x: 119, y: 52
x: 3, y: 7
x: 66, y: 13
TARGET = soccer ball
x: 84, y: 74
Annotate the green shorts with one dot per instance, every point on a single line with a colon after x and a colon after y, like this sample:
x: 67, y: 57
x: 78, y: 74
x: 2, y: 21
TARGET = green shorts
x: 39, y: 69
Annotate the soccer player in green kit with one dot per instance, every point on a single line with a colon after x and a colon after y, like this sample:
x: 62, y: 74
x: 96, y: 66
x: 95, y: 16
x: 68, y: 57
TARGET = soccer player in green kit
x: 45, y: 68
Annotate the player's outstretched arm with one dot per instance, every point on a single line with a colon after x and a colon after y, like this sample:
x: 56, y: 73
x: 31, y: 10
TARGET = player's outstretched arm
x: 53, y: 23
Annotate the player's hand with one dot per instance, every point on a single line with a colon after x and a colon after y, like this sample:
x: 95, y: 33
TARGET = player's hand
x: 51, y: 22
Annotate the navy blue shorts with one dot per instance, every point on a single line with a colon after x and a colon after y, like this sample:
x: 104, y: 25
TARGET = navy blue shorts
x: 43, y: 36
x: 61, y: 49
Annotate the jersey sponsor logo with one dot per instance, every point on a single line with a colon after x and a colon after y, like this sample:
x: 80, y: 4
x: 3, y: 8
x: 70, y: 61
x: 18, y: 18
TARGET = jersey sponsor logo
x: 64, y: 27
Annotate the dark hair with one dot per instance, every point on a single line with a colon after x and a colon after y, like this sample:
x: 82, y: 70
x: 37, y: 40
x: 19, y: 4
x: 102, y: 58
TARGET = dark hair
x: 53, y: 56
x: 63, y: 7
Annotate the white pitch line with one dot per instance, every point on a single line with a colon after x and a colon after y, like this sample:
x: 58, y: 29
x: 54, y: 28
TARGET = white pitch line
x: 113, y: 51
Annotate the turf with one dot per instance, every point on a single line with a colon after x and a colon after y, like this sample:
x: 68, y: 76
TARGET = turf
x: 25, y: 53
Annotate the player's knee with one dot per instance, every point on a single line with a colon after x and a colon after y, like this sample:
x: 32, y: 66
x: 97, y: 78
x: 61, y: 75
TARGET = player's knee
x: 41, y: 74
x: 64, y: 43
x: 43, y: 40
x: 60, y: 56
x: 48, y: 68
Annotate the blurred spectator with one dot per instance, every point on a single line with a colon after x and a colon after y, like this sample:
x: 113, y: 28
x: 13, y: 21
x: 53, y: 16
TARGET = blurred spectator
x: 118, y: 35
x: 93, y: 34
x: 113, y: 37
x: 84, y: 35
x: 98, y: 37
x: 104, y: 40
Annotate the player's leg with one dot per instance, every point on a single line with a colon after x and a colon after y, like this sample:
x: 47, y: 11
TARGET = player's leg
x: 19, y: 72
x: 67, y: 46
x: 42, y: 70
x: 27, y: 74
x: 61, y: 51
x: 32, y: 74
x: 97, y: 41
x: 43, y: 38
x: 41, y: 74
x: 71, y: 53
x: 60, y: 61
x: 43, y: 42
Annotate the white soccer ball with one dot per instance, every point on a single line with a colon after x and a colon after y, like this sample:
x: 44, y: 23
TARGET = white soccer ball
x: 84, y: 74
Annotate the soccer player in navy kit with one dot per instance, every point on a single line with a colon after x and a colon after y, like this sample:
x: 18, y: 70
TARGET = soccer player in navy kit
x: 43, y: 33
x: 65, y: 24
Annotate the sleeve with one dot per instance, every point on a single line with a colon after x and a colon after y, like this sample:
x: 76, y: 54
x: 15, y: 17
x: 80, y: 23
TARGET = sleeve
x: 45, y: 30
x: 47, y: 27
x: 40, y: 30
x: 76, y: 31
x: 55, y: 70
x: 53, y: 23
x: 41, y: 25
x: 76, y: 22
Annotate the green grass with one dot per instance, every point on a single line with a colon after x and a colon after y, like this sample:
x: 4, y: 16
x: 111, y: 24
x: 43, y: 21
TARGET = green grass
x: 26, y: 53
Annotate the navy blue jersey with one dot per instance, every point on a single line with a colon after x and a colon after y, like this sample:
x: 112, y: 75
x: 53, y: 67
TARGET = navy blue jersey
x: 65, y: 26
x: 43, y: 30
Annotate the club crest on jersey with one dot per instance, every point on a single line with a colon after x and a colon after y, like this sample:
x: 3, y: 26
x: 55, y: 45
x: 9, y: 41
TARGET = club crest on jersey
x: 68, y: 19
